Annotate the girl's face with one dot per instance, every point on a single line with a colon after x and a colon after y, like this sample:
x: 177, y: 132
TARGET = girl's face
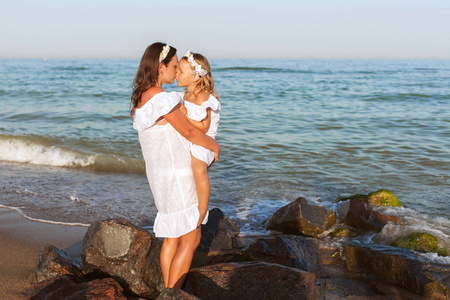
x: 184, y: 76
x: 167, y: 74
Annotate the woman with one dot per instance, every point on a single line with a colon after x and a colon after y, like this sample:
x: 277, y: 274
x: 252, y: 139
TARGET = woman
x: 164, y: 133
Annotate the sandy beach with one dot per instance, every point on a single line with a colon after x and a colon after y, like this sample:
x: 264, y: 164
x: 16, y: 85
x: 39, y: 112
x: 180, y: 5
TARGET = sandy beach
x: 21, y: 240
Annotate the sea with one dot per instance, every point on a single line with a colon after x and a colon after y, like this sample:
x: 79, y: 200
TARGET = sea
x: 318, y: 129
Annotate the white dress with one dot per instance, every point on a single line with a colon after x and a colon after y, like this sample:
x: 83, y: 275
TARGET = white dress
x: 168, y: 168
x: 198, y: 113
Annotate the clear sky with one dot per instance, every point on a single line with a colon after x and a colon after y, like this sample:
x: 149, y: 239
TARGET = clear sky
x: 227, y: 29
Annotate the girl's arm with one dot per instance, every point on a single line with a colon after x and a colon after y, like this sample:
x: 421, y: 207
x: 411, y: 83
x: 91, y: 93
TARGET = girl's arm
x: 203, y: 125
x: 181, y: 124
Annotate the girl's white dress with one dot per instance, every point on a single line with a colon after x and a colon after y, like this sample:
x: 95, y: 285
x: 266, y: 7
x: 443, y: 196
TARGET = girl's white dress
x: 198, y: 113
x: 168, y: 168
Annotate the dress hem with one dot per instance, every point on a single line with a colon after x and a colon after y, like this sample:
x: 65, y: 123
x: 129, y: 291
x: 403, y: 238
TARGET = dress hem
x: 177, y: 224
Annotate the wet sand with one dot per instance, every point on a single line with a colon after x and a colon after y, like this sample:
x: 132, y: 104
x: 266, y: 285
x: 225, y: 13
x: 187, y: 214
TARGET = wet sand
x: 21, y: 240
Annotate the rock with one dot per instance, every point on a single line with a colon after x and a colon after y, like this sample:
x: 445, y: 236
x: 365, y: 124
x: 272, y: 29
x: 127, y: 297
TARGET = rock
x: 218, y: 235
x: 383, y: 198
x: 362, y: 216
x: 399, y: 267
x: 289, y: 250
x: 301, y: 218
x: 36, y: 287
x: 53, y: 262
x: 250, y: 280
x: 421, y: 242
x: 99, y: 289
x: 236, y: 255
x: 331, y: 256
x: 175, y: 294
x: 343, y: 287
x: 357, y: 197
x: 126, y: 252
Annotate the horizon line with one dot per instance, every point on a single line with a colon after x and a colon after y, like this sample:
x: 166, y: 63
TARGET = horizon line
x: 222, y: 58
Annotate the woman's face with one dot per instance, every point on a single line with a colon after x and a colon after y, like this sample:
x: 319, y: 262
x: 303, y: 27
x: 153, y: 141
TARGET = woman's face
x: 168, y: 72
x: 184, y: 74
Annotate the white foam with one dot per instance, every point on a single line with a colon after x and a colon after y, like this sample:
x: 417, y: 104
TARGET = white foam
x: 25, y: 151
x: 252, y: 212
x: 434, y: 257
x: 415, y: 222
x: 24, y: 192
x: 21, y: 213
x: 78, y: 200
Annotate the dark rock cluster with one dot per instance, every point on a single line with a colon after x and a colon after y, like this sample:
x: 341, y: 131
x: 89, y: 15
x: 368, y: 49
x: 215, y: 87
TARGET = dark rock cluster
x: 120, y: 260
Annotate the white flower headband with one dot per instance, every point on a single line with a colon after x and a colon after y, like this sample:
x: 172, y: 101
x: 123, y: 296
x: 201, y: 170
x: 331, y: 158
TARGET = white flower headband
x: 195, y: 66
x: 164, y: 53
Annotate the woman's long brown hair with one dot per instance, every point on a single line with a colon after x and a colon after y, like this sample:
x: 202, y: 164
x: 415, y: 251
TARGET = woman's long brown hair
x: 147, y: 73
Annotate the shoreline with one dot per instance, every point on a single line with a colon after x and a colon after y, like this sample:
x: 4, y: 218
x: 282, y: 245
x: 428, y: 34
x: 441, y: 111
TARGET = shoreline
x: 21, y: 241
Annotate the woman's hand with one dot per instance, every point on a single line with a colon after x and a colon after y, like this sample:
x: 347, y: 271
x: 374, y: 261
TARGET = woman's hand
x: 202, y: 216
x: 216, y: 155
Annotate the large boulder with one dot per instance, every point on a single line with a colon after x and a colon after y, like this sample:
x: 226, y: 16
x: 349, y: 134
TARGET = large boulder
x: 381, y: 197
x: 64, y: 288
x: 344, y: 287
x: 399, y: 266
x: 289, y: 250
x: 219, y: 235
x: 361, y: 214
x: 53, y: 262
x: 301, y: 218
x: 250, y: 280
x: 126, y: 252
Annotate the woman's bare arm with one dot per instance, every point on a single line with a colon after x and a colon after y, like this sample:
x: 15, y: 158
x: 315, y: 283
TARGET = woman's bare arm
x: 181, y: 124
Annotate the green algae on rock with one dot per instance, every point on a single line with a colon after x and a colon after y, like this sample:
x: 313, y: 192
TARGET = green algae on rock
x: 420, y: 242
x: 381, y: 197
x: 341, y: 232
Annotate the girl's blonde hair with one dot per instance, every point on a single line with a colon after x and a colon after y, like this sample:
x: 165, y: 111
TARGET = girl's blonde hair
x: 205, y: 82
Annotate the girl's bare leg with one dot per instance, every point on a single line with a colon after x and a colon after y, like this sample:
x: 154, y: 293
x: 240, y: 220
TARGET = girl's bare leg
x: 182, y: 259
x: 199, y: 169
x: 168, y: 250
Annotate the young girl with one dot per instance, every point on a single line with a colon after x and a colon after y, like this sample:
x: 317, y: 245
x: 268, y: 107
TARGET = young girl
x: 161, y: 126
x: 203, y: 107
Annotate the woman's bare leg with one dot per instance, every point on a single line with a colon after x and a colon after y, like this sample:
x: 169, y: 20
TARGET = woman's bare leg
x: 176, y: 254
x: 168, y: 250
x: 182, y: 259
x: 199, y: 169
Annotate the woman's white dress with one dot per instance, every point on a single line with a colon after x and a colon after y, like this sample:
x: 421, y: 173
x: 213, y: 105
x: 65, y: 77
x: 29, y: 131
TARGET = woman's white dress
x: 168, y: 167
x: 198, y: 113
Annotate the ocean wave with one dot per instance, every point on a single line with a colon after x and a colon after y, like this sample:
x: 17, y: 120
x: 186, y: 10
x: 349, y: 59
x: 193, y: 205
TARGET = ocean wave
x: 262, y: 69
x: 69, y: 68
x: 400, y: 96
x: 43, y: 151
